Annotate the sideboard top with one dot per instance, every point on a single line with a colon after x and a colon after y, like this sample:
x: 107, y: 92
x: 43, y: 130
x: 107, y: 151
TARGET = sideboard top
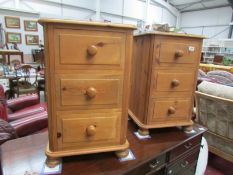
x: 169, y: 34
x: 88, y: 23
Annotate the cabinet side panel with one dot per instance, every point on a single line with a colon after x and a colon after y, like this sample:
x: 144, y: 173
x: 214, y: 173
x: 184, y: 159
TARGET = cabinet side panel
x: 49, y: 72
x: 126, y: 85
x: 141, y: 69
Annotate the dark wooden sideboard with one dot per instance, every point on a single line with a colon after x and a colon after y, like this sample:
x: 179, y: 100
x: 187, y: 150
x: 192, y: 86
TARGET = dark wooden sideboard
x: 170, y: 151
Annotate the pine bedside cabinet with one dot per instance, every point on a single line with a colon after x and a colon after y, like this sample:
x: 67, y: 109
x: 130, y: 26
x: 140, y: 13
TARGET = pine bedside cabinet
x: 87, y: 83
x: 164, y: 71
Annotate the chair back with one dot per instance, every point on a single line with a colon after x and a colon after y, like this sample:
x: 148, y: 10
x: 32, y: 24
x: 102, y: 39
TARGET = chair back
x: 26, y: 77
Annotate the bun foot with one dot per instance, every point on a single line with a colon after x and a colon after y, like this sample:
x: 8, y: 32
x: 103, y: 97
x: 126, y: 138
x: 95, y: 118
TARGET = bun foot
x: 143, y: 132
x: 188, y: 128
x: 122, y: 153
x: 52, y: 161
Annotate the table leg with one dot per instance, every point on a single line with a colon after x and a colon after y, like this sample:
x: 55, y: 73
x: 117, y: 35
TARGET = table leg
x: 22, y: 59
x: 3, y: 59
x: 8, y: 59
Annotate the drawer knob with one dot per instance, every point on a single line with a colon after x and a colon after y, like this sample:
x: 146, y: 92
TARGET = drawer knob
x: 91, y: 130
x: 91, y: 92
x: 154, y: 164
x: 171, y: 110
x: 92, y: 50
x: 175, y: 83
x: 189, y: 145
x: 183, y: 165
x: 179, y: 53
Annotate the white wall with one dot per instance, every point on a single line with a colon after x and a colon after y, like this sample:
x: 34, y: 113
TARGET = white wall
x: 213, y: 23
x: 23, y: 16
x: 117, y: 11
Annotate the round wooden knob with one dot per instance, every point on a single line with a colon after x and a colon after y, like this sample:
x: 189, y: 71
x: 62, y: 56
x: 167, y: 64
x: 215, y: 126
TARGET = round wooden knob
x: 179, y: 53
x: 91, y: 130
x: 171, y: 110
x: 175, y: 83
x: 92, y: 50
x: 91, y: 92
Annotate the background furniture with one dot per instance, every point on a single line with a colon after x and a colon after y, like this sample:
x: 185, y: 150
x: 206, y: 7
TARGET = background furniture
x: 215, y: 111
x: 213, y: 48
x: 88, y: 88
x: 38, y: 56
x: 163, y: 79
x: 169, y: 151
x: 216, y: 76
x: 25, y: 114
x: 8, y: 53
x: 211, y: 67
x: 24, y: 75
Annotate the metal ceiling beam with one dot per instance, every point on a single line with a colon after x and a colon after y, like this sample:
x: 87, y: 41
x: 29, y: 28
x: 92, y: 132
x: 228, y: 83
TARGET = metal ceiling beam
x: 206, y: 8
x: 167, y: 6
x: 191, y: 3
x: 231, y: 3
x: 231, y: 27
x: 194, y: 3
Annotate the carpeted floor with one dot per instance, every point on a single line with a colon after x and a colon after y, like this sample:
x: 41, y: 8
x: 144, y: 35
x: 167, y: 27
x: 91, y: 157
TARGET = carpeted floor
x: 218, y: 166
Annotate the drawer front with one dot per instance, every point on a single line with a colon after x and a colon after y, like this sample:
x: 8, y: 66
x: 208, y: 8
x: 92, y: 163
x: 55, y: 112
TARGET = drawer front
x: 91, y: 92
x: 153, y: 167
x: 157, y: 163
x: 86, y: 47
x: 190, y: 170
x: 181, y: 166
x: 173, y: 81
x: 165, y: 109
x: 185, y: 147
x: 88, y: 129
x: 171, y: 51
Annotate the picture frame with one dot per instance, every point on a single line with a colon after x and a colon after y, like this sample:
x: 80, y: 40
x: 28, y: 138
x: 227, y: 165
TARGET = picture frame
x: 12, y: 37
x: 12, y: 22
x: 32, y: 39
x: 30, y: 25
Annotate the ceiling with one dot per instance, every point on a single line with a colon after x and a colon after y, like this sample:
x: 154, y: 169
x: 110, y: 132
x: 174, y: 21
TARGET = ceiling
x: 193, y: 5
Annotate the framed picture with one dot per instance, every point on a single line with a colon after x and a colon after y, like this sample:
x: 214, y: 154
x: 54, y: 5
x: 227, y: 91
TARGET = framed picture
x: 30, y: 25
x: 32, y: 39
x: 13, y: 37
x: 12, y: 22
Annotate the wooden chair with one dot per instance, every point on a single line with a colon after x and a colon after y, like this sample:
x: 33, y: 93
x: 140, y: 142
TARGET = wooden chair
x: 26, y: 80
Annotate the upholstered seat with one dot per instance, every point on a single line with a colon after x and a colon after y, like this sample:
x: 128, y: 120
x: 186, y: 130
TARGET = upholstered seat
x: 23, y: 116
x: 215, y: 111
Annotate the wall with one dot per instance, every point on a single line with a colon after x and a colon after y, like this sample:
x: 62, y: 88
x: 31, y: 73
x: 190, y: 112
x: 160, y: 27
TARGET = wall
x: 118, y: 11
x: 213, y: 23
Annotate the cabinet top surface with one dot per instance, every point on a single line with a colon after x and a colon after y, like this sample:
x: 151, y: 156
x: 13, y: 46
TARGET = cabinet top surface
x: 169, y: 34
x: 162, y: 140
x: 87, y: 23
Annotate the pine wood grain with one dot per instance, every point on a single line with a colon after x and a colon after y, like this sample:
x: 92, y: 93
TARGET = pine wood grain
x: 164, y: 72
x: 87, y: 76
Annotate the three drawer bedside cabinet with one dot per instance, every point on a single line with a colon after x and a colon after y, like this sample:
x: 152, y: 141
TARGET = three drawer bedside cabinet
x: 163, y: 79
x: 87, y: 82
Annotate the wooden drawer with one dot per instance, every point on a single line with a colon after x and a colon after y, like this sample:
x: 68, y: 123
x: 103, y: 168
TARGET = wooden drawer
x: 169, y: 109
x: 190, y: 170
x: 88, y: 129
x: 86, y: 47
x: 181, y: 166
x: 151, y: 167
x: 91, y: 91
x: 185, y: 147
x: 176, y: 51
x: 173, y: 81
